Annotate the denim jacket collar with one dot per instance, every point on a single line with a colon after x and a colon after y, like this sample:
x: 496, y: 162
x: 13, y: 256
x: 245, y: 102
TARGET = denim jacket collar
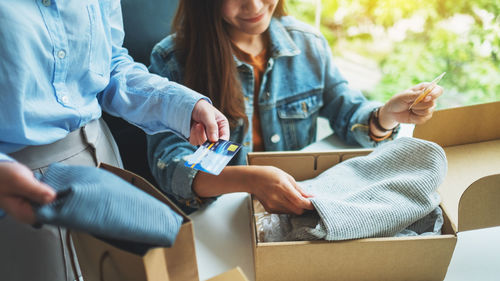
x: 282, y: 44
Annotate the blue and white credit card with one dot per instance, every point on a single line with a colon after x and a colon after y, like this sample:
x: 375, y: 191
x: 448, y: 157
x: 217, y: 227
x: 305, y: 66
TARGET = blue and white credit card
x: 212, y: 157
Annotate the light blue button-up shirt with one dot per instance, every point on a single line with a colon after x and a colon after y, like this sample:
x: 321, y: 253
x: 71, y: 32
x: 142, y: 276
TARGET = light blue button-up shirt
x: 62, y: 62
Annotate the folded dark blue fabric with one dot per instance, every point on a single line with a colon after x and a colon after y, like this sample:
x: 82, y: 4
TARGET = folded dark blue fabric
x: 98, y: 202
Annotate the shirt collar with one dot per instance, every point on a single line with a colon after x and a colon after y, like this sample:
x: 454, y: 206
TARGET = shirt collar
x: 282, y: 44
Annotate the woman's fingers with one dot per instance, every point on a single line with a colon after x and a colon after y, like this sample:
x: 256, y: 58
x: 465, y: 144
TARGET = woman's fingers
x: 297, y: 200
x: 302, y: 192
x: 280, y: 193
x: 19, y: 208
x: 19, y: 189
x: 198, y: 135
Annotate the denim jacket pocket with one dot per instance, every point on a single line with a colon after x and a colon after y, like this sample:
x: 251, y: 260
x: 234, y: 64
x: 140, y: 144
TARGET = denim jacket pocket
x: 298, y: 115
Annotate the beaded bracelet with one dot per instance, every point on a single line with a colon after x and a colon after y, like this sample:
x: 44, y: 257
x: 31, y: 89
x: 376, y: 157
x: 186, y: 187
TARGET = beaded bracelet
x: 375, y: 116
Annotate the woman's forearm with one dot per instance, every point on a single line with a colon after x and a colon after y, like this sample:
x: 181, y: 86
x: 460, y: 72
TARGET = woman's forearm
x: 231, y: 179
x: 275, y: 189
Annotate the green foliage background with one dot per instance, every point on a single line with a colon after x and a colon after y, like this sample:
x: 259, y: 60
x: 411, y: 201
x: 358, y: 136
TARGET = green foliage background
x: 471, y: 56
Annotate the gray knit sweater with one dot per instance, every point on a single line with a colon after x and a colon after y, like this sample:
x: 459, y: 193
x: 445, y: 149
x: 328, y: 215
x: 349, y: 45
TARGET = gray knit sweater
x: 377, y: 195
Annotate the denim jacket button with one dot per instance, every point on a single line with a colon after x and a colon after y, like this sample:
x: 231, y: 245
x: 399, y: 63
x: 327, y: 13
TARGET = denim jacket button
x: 275, y: 138
x: 304, y: 107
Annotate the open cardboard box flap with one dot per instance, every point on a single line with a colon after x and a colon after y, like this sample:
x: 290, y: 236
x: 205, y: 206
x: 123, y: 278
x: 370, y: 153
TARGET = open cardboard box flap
x: 470, y: 136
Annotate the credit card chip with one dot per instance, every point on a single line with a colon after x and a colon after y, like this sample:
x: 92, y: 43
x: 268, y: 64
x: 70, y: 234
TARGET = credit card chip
x: 232, y: 147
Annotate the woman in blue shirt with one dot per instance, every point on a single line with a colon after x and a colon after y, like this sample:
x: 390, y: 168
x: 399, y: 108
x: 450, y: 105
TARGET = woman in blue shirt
x: 272, y: 76
x: 62, y: 63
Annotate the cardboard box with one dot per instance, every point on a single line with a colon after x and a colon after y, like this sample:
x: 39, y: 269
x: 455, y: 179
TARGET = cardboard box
x: 470, y: 195
x: 234, y: 274
x: 100, y: 261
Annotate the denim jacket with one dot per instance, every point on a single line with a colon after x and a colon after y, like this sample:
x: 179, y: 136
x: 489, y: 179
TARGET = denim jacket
x: 300, y: 83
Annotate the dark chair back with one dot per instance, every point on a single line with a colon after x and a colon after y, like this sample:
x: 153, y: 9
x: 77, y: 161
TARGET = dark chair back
x: 146, y: 23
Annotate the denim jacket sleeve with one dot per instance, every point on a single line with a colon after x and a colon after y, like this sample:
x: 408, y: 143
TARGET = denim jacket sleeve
x: 166, y: 151
x: 166, y: 154
x: 347, y: 110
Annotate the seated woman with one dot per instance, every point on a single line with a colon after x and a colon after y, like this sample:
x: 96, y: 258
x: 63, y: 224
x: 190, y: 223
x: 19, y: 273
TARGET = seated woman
x: 272, y: 76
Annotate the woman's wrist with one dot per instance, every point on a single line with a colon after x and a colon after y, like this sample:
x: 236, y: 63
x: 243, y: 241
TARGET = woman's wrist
x: 385, y: 121
x: 381, y: 125
x: 231, y: 179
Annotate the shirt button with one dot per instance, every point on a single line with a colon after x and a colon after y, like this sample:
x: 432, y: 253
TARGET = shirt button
x: 46, y: 3
x: 64, y: 99
x: 275, y: 138
x: 61, y: 54
x: 268, y: 95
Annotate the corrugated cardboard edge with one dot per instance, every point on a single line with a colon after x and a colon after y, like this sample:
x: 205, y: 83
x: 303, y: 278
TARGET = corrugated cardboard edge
x: 234, y: 274
x: 478, y: 205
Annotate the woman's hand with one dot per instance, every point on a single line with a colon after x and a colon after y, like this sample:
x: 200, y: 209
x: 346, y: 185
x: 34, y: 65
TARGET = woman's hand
x: 396, y: 110
x: 19, y: 188
x: 207, y: 123
x: 277, y: 191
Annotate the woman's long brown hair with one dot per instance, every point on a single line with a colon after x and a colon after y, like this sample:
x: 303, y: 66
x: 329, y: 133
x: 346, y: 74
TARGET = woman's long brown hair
x: 205, y: 51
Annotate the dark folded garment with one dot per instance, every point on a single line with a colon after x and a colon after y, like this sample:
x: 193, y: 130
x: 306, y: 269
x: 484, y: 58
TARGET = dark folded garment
x: 98, y: 202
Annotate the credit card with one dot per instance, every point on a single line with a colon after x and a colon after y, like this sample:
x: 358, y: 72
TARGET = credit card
x: 212, y: 157
x: 427, y: 90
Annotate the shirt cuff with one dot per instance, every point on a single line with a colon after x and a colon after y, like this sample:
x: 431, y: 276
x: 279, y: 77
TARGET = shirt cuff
x: 181, y: 108
x: 361, y: 128
x: 5, y: 157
